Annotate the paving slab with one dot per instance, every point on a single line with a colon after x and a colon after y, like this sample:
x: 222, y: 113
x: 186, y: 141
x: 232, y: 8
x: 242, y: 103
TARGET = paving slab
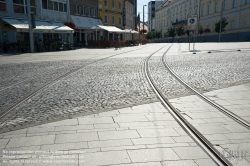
x: 149, y: 155
x: 109, y: 143
x: 179, y: 163
x: 104, y: 158
x: 107, y: 135
x: 76, y: 137
x: 184, y: 153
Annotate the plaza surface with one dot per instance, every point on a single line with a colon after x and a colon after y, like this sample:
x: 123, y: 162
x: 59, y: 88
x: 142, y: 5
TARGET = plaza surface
x: 141, y: 132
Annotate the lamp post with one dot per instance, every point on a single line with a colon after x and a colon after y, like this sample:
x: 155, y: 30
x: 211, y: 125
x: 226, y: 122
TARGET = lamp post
x: 30, y: 28
x: 143, y: 19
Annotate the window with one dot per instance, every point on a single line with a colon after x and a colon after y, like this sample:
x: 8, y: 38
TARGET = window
x: 83, y: 11
x: 208, y: 9
x: 19, y: 6
x: 216, y: 7
x: 246, y: 2
x: 50, y: 5
x: 233, y: 3
x: 106, y: 3
x: 232, y: 24
x: 224, y: 5
x: 78, y: 9
x: 55, y: 6
x: 106, y: 19
x: 120, y: 5
x: 2, y: 5
x: 91, y: 12
x: 113, y: 4
x: 87, y: 11
x: 61, y: 7
x: 113, y: 20
x: 244, y: 22
x: 45, y: 4
x: 201, y: 11
x: 95, y: 12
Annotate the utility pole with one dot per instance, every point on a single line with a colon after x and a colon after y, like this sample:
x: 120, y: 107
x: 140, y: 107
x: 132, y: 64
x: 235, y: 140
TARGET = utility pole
x: 143, y: 20
x: 30, y: 28
x: 221, y: 20
x: 199, y: 17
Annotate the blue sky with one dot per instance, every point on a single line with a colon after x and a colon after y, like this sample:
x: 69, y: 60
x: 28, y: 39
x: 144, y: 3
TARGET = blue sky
x: 140, y: 4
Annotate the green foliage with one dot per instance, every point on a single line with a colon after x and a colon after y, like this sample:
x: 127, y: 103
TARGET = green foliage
x: 223, y: 25
x: 153, y: 35
x: 179, y: 30
x: 171, y: 32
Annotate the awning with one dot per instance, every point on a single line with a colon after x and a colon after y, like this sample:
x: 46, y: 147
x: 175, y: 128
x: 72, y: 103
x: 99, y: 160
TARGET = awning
x: 41, y: 26
x: 129, y: 31
x: 108, y: 28
x: 85, y: 22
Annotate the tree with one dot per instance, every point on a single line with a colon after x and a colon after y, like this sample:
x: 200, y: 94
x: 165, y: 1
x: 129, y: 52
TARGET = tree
x: 149, y: 36
x: 223, y: 25
x: 171, y: 32
x: 179, y: 30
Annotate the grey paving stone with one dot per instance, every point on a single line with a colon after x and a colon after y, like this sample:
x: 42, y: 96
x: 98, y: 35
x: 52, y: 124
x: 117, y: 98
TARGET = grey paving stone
x: 237, y: 135
x: 132, y: 118
x: 166, y: 123
x: 136, y: 124
x: 107, y: 135
x: 30, y: 141
x: 183, y: 139
x: 159, y: 117
x: 22, y: 131
x: 76, y: 137
x: 3, y: 142
x: 157, y: 132
x: 158, y: 140
x: 65, y: 146
x: 109, y: 143
x: 67, y: 122
x: 184, y: 153
x: 149, y: 155
x: 216, y: 137
x: 101, y: 126
x: 95, y: 120
x: 142, y: 164
x: 236, y: 128
x: 204, y: 115
x: 165, y: 145
x: 179, y: 163
x: 124, y: 148
x: 205, y: 162
x: 40, y: 129
x: 104, y: 158
x: 77, y: 127
x: 212, y: 130
x: 14, y: 135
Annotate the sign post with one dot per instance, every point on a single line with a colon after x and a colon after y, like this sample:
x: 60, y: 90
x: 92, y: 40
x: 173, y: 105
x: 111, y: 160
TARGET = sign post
x: 192, y: 27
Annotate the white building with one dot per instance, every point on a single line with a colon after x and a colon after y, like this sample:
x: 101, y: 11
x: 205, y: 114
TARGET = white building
x: 152, y: 6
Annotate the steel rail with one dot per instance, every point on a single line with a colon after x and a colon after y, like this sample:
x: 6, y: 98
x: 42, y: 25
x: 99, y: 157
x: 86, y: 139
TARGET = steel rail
x: 33, y: 93
x: 212, y: 103
x: 215, y: 155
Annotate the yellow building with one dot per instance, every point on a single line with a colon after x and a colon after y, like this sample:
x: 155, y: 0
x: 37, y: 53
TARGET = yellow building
x: 111, y: 12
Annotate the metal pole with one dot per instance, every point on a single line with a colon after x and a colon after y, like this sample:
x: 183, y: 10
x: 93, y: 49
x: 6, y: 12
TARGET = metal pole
x: 221, y: 20
x: 30, y: 28
x: 199, y: 20
x: 143, y: 21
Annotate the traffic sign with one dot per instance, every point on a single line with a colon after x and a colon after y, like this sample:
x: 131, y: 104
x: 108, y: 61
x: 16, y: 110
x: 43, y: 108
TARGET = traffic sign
x: 192, y: 22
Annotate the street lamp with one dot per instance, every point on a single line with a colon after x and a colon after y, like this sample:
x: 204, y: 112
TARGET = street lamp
x: 143, y: 18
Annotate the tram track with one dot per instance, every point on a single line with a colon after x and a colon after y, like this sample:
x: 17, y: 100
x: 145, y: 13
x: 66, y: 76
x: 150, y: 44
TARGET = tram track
x: 47, y: 84
x: 215, y: 155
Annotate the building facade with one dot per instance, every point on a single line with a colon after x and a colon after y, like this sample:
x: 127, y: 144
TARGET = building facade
x: 152, y: 6
x: 84, y: 15
x: 209, y: 11
x: 50, y: 16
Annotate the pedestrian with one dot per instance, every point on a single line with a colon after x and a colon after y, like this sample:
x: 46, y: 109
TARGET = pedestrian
x: 117, y: 42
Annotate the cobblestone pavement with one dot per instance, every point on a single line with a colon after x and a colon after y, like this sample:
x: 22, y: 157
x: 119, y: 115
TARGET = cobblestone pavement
x: 134, y: 135
x: 107, y: 84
